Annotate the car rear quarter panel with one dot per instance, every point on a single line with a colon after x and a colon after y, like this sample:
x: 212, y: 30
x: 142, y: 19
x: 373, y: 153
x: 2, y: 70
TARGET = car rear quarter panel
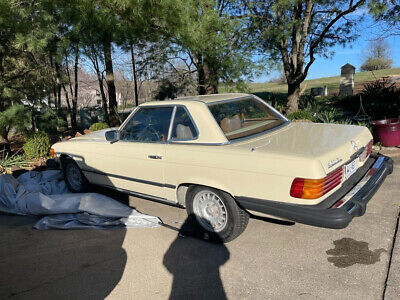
x: 239, y: 173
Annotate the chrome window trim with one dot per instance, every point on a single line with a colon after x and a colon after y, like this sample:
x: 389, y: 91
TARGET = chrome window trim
x: 144, y: 142
x: 171, y: 123
x: 229, y: 100
x: 128, y: 118
x: 271, y: 107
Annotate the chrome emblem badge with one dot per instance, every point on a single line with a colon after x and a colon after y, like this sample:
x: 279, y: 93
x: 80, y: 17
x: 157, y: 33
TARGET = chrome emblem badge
x: 354, y: 145
x: 334, y: 162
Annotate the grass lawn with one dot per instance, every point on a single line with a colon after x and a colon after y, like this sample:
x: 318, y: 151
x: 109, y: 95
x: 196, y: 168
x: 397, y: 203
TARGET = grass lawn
x: 331, y: 82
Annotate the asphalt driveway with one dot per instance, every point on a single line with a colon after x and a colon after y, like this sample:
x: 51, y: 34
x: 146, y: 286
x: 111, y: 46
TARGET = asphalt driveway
x: 269, y: 260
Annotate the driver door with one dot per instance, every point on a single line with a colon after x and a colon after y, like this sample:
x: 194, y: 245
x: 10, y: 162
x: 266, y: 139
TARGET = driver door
x: 135, y: 162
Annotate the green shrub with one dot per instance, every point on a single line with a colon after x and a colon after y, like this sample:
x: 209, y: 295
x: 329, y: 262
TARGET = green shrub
x: 328, y: 115
x: 314, y: 106
x: 49, y: 122
x: 98, y: 126
x: 279, y: 107
x: 306, y: 101
x: 301, y: 115
x: 37, y: 145
x: 380, y: 99
x: 345, y: 122
x: 366, y: 124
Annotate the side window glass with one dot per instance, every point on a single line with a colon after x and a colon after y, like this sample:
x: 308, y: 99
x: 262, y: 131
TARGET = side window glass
x: 149, y: 124
x: 183, y: 127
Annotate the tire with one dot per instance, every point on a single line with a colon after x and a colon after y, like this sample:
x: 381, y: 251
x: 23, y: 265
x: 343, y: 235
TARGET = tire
x: 203, y: 202
x: 73, y: 176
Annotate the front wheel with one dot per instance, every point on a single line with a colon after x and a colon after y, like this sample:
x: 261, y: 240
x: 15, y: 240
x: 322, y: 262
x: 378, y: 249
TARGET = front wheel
x: 216, y: 213
x: 74, y: 178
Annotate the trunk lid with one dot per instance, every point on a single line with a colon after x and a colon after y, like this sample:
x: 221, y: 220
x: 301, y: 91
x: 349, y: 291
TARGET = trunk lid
x: 331, y: 144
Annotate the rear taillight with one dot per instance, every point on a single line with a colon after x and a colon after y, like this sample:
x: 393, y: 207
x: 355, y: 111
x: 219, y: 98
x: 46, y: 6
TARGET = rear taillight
x: 367, y: 151
x: 315, y: 188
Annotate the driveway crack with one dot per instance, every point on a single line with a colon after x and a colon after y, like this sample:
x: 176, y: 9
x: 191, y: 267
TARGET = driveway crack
x: 391, y: 255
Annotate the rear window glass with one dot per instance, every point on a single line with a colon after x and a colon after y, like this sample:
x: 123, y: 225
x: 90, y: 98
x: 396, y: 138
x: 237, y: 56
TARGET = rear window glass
x: 246, y: 117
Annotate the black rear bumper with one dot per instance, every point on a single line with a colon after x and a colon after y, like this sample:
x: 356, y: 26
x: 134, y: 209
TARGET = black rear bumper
x: 357, y: 192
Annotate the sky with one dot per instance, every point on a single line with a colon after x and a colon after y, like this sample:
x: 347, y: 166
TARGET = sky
x: 323, y: 67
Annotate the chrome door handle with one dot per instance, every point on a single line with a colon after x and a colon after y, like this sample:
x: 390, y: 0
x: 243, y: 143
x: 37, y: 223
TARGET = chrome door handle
x: 155, y: 157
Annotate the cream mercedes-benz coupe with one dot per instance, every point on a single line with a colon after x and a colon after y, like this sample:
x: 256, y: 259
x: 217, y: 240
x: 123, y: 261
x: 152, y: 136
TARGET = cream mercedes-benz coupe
x: 226, y: 156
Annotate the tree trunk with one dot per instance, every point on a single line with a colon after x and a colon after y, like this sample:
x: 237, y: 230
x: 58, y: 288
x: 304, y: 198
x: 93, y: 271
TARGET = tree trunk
x: 134, y: 76
x: 112, y: 97
x: 55, y: 97
x: 201, y: 75
x: 293, y: 97
x: 94, y: 58
x: 2, y: 104
x: 59, y: 97
x: 33, y: 117
x: 103, y: 96
x: 74, y: 122
x: 67, y: 99
x: 54, y: 81
x: 212, y: 80
x: 1, y: 62
x: 214, y: 88
x: 58, y: 84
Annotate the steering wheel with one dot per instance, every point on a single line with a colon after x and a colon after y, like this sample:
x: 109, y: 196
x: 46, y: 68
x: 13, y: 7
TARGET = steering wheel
x: 149, y: 134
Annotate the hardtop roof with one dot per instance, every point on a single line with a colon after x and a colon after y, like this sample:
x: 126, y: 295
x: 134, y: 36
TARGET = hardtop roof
x: 199, y: 98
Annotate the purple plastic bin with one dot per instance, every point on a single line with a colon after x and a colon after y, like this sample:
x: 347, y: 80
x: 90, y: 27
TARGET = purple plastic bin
x: 387, y: 132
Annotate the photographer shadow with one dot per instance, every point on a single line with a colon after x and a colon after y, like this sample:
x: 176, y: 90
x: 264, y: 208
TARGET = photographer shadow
x: 194, y: 264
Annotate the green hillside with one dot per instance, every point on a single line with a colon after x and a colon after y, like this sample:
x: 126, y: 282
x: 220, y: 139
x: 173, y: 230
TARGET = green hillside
x: 331, y: 82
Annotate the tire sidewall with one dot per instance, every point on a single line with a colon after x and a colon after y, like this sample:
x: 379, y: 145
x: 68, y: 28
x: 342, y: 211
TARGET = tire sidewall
x: 65, y: 163
x: 231, y: 208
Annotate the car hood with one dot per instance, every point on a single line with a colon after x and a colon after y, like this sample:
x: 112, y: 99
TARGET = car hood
x: 98, y: 135
x: 331, y: 144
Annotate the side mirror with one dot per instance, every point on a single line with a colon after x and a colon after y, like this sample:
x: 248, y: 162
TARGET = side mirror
x: 113, y: 136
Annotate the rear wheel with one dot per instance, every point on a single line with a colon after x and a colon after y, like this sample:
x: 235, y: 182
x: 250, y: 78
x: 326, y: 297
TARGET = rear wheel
x: 215, y: 213
x: 74, y: 178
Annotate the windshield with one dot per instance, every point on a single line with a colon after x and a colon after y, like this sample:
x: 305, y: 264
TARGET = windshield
x: 245, y: 117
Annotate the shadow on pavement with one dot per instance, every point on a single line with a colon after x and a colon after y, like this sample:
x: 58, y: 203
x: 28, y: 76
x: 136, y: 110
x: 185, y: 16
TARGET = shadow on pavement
x: 71, y: 264
x: 273, y: 221
x: 194, y: 264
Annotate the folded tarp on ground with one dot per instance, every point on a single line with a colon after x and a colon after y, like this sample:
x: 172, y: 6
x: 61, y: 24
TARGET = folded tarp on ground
x: 46, y: 194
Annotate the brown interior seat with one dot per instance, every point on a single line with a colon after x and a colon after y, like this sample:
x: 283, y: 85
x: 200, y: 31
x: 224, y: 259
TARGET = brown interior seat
x: 231, y: 124
x: 183, y: 132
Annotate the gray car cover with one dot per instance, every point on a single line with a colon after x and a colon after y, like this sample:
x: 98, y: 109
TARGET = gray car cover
x: 45, y: 194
